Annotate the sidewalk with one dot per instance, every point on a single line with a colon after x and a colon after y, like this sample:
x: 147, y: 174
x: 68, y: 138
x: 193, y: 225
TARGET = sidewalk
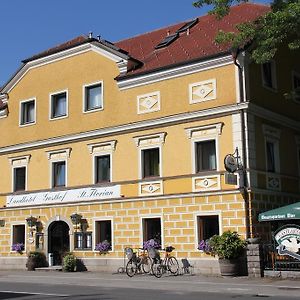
x: 196, y: 283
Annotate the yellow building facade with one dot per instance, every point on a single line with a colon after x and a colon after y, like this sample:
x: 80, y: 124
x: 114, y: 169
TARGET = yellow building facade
x: 90, y: 152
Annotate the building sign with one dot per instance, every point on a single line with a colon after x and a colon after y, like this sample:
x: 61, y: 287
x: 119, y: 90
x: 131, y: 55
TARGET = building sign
x: 288, y: 239
x: 76, y: 195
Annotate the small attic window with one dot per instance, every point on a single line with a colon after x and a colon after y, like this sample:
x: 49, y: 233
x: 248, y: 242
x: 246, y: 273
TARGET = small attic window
x: 187, y: 26
x: 167, y: 41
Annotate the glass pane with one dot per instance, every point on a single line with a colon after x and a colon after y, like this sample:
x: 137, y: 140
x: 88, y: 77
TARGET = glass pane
x: 150, y: 162
x: 59, y: 103
x: 103, y: 231
x: 267, y: 74
x: 59, y: 173
x: 102, y: 168
x: 18, y: 234
x: 270, y: 157
x: 28, y: 112
x: 152, y: 229
x: 89, y: 240
x: 206, y: 156
x: 20, y: 179
x: 93, y: 97
x: 207, y: 227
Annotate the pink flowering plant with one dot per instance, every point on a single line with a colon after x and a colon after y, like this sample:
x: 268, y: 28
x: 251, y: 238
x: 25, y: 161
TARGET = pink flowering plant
x: 103, y: 247
x: 18, y: 247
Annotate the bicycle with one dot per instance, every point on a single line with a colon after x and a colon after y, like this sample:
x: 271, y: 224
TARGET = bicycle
x: 142, y: 262
x: 160, y: 266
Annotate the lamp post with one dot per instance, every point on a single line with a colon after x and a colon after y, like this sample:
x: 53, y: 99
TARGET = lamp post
x: 31, y: 222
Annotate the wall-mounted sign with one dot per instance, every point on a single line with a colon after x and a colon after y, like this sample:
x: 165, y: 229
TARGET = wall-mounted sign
x: 288, y: 240
x: 75, y: 195
x: 231, y: 163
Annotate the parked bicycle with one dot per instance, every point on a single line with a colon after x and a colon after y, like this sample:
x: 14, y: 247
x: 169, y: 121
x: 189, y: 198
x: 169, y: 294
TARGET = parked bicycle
x: 137, y: 263
x: 168, y: 263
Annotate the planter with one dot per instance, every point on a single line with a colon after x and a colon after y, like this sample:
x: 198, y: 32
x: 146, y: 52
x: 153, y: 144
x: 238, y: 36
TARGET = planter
x: 229, y: 267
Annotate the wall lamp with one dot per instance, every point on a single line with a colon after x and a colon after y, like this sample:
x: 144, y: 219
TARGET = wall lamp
x: 76, y: 218
x: 2, y: 223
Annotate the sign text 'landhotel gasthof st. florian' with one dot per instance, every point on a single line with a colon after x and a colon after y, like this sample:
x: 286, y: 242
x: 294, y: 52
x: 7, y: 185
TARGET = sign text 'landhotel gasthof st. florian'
x: 75, y: 195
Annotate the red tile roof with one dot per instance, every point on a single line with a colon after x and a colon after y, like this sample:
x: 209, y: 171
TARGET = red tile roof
x: 198, y: 44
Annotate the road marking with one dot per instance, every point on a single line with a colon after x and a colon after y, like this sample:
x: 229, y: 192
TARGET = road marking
x: 34, y: 293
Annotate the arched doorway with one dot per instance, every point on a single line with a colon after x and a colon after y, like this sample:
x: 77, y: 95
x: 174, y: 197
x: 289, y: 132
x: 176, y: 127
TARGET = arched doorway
x: 58, y: 240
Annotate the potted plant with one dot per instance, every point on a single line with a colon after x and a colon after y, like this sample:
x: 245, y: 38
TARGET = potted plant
x: 69, y: 262
x: 18, y: 247
x: 36, y: 259
x: 229, y: 247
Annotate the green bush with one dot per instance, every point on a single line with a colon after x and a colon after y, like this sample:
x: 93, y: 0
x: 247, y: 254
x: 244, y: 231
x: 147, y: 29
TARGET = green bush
x: 36, y: 259
x: 69, y: 262
x: 229, y: 245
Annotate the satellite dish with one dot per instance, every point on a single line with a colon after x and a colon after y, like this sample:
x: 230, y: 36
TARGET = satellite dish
x: 230, y: 163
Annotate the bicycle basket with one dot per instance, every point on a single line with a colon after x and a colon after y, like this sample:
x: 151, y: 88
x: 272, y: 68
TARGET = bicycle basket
x: 169, y: 249
x: 153, y: 253
x: 129, y: 252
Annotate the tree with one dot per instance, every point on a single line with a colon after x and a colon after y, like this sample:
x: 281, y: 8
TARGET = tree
x: 279, y: 26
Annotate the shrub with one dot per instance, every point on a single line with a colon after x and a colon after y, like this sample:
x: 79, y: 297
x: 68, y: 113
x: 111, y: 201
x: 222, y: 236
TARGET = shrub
x: 36, y: 259
x: 229, y: 245
x: 69, y: 262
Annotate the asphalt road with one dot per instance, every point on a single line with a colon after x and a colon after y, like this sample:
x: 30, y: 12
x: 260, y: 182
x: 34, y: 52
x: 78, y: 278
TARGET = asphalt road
x: 102, y: 286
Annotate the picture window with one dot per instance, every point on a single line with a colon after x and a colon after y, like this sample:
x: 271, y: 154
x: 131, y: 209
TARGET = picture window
x: 152, y: 229
x: 103, y: 232
x: 19, y: 179
x: 59, y: 174
x: 208, y: 226
x: 150, y: 162
x: 27, y: 112
x: 205, y: 156
x: 58, y: 105
x: 93, y: 97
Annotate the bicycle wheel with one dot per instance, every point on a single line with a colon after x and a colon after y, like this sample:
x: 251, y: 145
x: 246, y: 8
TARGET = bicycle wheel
x: 131, y: 268
x: 157, y: 270
x: 146, y: 264
x: 172, y: 265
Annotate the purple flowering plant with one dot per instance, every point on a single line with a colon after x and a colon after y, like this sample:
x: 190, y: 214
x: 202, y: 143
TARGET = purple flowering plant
x: 204, y: 246
x: 151, y: 244
x: 103, y: 247
x: 18, y: 247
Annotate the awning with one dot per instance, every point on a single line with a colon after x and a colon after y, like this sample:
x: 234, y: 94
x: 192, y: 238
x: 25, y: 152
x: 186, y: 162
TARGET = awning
x: 289, y: 212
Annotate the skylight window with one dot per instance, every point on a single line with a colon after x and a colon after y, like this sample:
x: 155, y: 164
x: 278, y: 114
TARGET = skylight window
x: 167, y: 40
x: 187, y: 26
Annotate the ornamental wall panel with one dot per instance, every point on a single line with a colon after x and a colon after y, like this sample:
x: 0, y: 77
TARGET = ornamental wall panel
x: 202, y: 91
x: 148, y: 103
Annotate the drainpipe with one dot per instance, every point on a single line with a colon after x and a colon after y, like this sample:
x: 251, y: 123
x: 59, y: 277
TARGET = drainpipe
x: 247, y: 198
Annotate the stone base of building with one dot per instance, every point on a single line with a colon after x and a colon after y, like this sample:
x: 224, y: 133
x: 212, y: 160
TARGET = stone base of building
x: 282, y: 274
x: 13, y: 263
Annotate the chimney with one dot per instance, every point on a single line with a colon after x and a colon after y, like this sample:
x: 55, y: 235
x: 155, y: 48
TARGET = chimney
x: 90, y: 34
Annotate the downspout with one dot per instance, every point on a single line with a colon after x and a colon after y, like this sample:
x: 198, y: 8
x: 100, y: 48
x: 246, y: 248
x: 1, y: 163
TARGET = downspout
x: 248, y: 205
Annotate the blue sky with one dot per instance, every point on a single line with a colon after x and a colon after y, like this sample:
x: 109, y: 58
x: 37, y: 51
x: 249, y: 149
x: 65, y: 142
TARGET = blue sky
x: 28, y: 27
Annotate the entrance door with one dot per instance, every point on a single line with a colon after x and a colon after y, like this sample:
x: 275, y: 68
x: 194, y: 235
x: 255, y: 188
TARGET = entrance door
x: 58, y: 240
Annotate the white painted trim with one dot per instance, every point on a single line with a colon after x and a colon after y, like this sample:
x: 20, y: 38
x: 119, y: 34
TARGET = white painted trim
x: 161, y: 139
x: 150, y: 216
x: 187, y: 69
x: 157, y: 94
x: 99, y: 219
x: 22, y: 102
x: 24, y: 158
x: 111, y: 144
x: 12, y: 231
x: 50, y: 105
x: 147, y: 124
x: 191, y: 131
x: 160, y: 182
x: 87, y: 85
x: 213, y: 82
x: 52, y: 161
x: 115, y: 56
x: 141, y: 166
x: 203, y: 214
x: 66, y: 153
x: 94, y: 156
x: 271, y: 131
x: 204, y: 139
x: 14, y: 177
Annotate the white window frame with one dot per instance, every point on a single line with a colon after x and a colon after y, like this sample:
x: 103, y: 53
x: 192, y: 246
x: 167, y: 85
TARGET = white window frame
x: 22, y: 102
x: 14, y: 177
x: 94, y: 156
x: 273, y: 74
x: 84, y: 97
x: 149, y: 216
x: 272, y: 135
x: 51, y: 173
x: 12, y: 232
x: 112, y: 232
x: 51, y: 95
x: 141, y: 162
x: 204, y: 214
